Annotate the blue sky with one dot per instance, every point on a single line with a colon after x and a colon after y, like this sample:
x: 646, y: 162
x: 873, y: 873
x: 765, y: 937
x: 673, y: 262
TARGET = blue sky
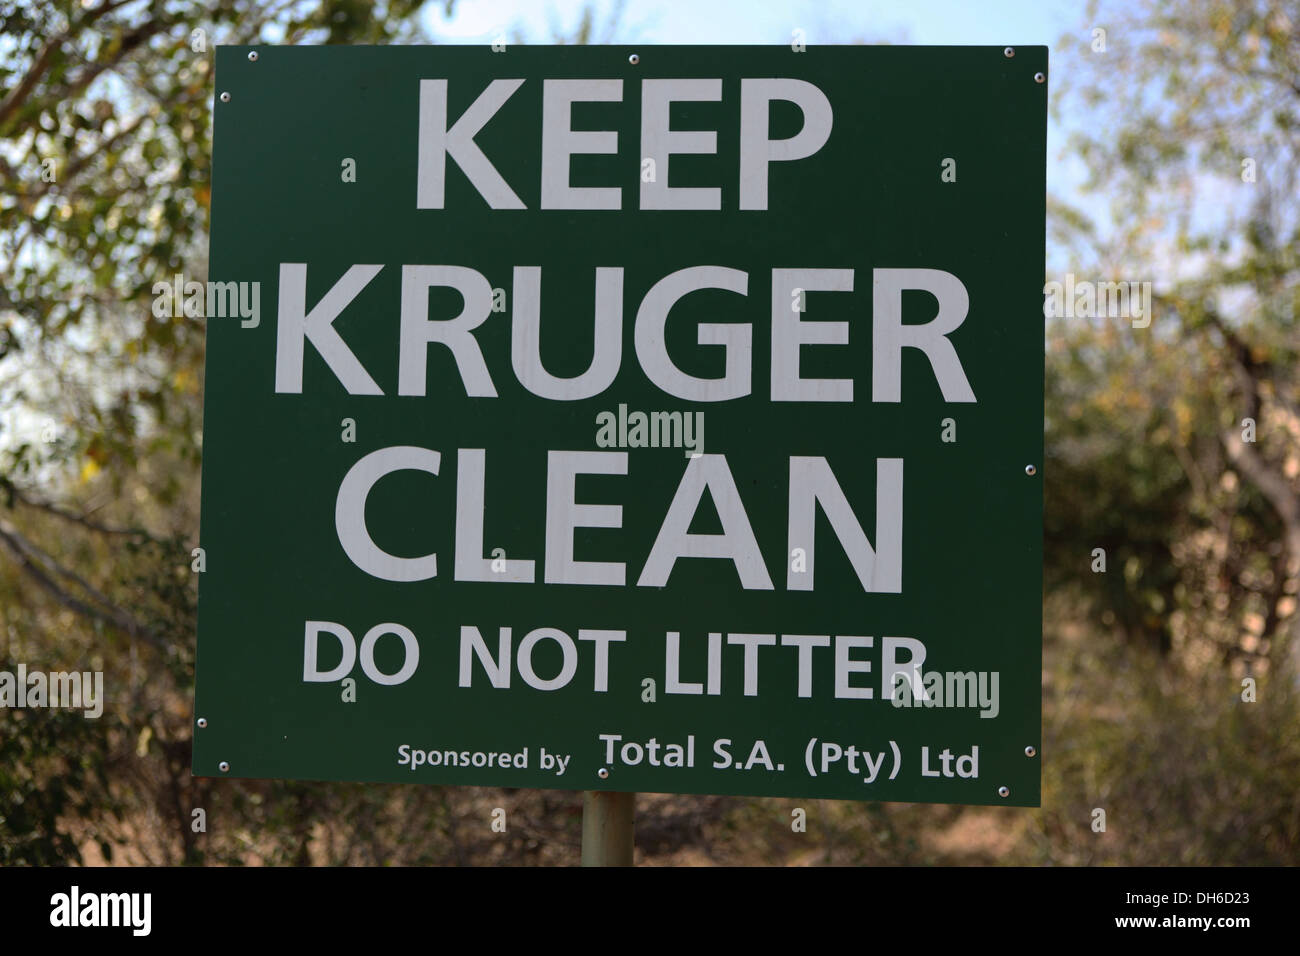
x: 1000, y: 22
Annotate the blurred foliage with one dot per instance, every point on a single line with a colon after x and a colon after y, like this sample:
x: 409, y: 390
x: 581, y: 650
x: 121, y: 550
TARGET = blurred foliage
x: 1187, y: 124
x: 1187, y: 772
x: 105, y: 139
x: 53, y: 770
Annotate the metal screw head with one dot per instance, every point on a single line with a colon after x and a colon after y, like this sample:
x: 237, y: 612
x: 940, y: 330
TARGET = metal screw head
x: 634, y: 59
x: 1009, y: 52
x: 1004, y: 791
x: 1030, y: 470
x: 252, y: 56
x: 1030, y: 751
x: 1040, y: 78
x: 202, y: 722
x: 223, y: 767
x: 225, y: 97
x: 602, y: 773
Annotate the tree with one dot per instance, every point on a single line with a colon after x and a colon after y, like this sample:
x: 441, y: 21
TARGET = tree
x: 105, y: 145
x: 1179, y: 445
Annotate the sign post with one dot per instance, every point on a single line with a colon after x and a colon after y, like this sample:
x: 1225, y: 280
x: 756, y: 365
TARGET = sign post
x: 624, y: 419
x: 607, y: 825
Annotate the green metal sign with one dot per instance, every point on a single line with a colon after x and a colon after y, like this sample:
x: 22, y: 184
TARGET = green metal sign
x: 648, y: 419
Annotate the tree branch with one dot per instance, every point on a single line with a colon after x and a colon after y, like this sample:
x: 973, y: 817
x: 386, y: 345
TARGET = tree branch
x: 60, y: 512
x: 39, y: 67
x: 29, y: 558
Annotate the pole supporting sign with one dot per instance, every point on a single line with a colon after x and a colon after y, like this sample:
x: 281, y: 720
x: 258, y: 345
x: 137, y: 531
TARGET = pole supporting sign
x: 637, y: 419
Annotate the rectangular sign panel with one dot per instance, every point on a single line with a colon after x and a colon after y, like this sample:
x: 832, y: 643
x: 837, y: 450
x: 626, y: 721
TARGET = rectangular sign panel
x: 655, y: 419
